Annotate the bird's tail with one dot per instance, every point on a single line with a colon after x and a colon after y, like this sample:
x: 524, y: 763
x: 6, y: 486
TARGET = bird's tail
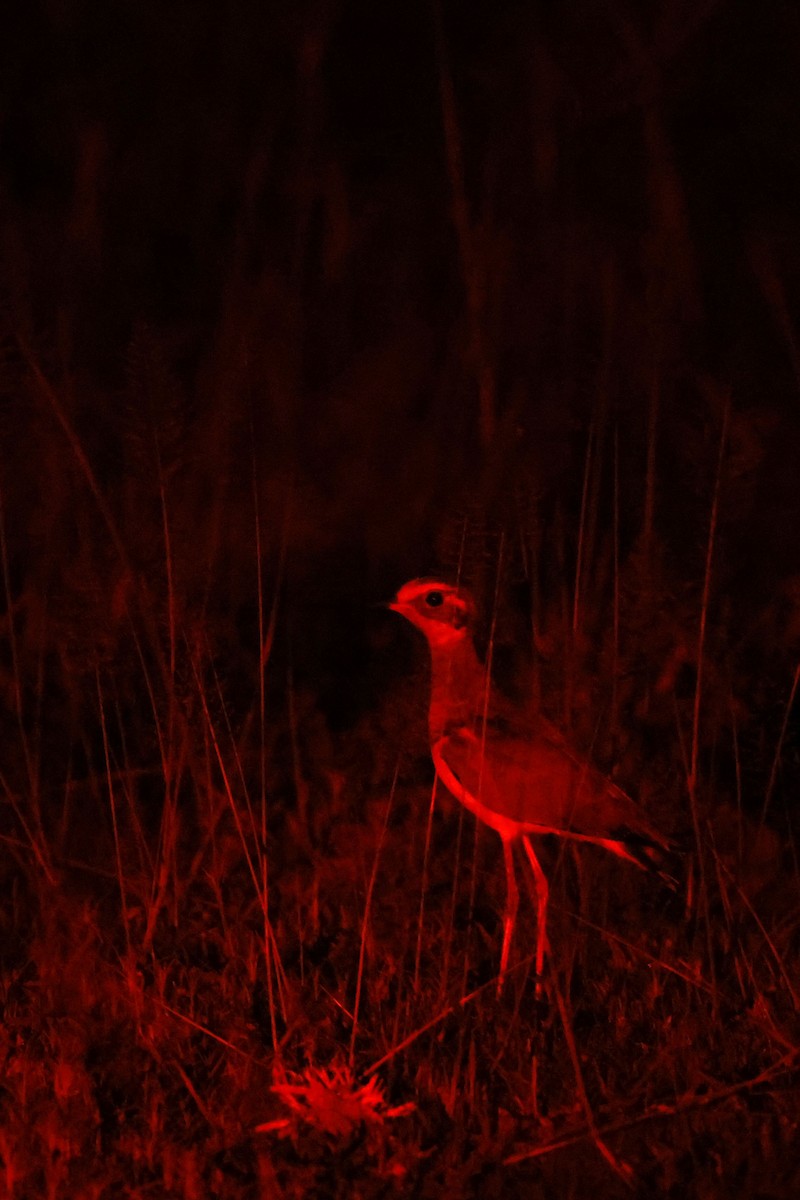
x: 660, y: 857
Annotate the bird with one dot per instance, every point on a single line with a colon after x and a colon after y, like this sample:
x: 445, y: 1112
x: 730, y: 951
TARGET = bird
x: 512, y: 768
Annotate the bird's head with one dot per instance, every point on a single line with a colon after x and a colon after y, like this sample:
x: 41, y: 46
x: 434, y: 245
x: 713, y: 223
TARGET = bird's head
x: 443, y: 612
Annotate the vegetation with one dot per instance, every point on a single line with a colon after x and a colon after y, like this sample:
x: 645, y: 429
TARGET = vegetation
x: 300, y: 303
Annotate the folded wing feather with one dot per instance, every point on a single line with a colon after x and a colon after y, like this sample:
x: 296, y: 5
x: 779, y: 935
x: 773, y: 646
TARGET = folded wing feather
x: 539, y: 784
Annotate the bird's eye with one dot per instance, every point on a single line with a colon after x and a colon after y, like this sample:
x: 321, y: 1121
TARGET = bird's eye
x: 434, y: 599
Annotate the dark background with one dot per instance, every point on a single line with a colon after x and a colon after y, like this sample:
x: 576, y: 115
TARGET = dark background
x: 299, y: 301
x: 434, y: 277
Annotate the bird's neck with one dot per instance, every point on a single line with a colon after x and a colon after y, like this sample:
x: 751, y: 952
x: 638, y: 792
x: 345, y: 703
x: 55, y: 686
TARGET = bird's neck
x: 458, y: 685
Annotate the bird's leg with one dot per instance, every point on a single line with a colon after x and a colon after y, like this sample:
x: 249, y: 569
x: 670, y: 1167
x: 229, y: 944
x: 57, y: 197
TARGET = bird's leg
x: 512, y: 904
x: 542, y: 889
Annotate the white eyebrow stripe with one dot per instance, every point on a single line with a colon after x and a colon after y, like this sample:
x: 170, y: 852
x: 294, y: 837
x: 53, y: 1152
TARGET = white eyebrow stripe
x: 413, y: 592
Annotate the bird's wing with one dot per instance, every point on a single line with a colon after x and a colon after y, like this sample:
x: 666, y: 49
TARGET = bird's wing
x: 538, y: 782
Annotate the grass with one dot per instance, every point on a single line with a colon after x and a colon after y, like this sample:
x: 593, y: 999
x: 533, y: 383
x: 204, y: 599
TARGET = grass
x: 244, y: 956
x: 287, y: 321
